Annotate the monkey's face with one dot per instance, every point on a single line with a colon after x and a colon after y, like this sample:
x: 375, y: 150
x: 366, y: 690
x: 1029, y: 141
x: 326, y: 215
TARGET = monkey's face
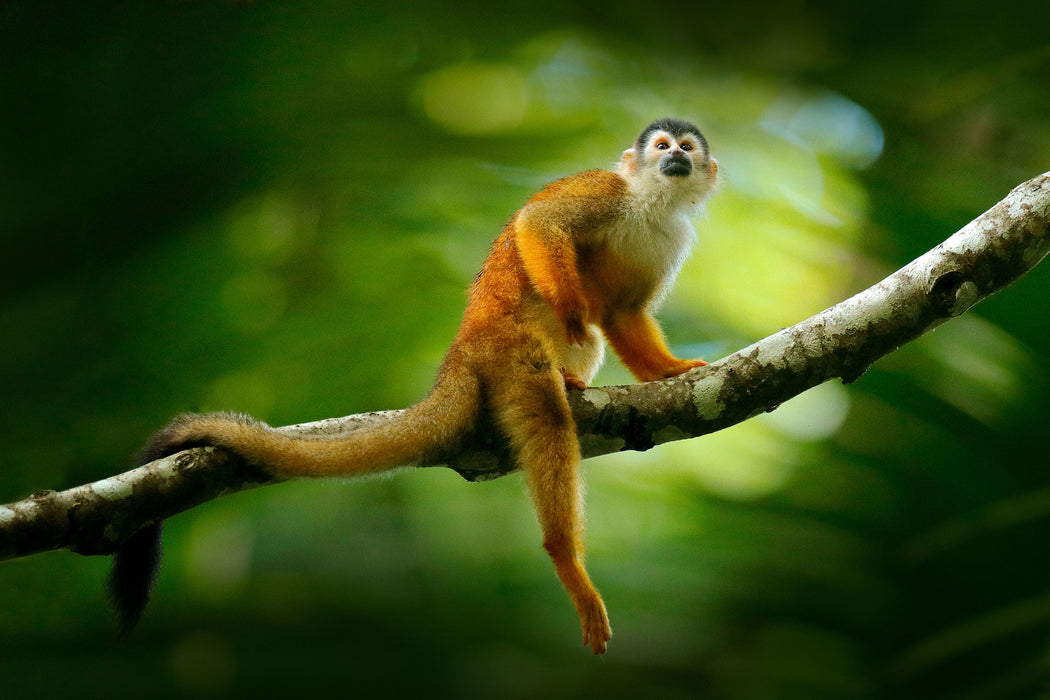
x: 673, y: 155
x: 673, y: 148
x: 670, y: 158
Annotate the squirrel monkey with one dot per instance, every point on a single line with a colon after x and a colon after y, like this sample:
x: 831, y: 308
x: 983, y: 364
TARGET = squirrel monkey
x: 589, y: 255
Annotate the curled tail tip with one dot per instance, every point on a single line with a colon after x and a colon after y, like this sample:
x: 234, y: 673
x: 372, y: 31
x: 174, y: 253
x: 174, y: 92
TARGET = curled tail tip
x: 137, y: 559
x: 133, y: 574
x: 172, y: 437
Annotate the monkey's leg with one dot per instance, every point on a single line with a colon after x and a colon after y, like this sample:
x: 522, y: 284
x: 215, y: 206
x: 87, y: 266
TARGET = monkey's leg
x: 637, y: 339
x: 531, y: 408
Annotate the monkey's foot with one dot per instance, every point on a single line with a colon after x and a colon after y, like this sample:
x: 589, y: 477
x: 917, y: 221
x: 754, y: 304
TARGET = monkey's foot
x: 572, y: 381
x: 595, y: 622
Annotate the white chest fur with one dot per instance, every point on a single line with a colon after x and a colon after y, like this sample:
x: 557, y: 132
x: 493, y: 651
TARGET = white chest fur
x: 654, y: 241
x: 660, y: 243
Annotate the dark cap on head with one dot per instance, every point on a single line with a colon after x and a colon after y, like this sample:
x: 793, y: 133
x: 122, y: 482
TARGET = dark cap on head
x: 675, y: 127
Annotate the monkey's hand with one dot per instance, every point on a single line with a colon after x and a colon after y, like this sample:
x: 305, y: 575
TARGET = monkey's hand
x: 683, y: 366
x: 573, y: 311
x: 575, y: 326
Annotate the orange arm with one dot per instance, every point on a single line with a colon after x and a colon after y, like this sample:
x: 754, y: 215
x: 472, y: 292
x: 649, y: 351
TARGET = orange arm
x: 640, y: 344
x: 550, y: 261
x: 567, y: 213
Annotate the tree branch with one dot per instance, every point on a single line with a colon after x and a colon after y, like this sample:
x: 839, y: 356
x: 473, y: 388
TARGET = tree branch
x: 984, y: 257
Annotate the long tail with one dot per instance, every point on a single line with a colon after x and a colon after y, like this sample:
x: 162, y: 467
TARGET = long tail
x: 448, y: 411
x: 405, y: 439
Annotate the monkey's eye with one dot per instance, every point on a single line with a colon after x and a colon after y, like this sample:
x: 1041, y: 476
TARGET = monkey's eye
x: 687, y: 146
x: 662, y: 145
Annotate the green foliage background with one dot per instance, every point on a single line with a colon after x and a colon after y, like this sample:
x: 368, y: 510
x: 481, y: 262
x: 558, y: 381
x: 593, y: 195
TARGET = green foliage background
x: 276, y: 207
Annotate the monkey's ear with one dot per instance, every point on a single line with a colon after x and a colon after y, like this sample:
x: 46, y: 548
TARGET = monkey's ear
x: 628, y: 164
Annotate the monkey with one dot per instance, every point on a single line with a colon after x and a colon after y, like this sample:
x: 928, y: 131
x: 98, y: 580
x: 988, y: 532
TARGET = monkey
x: 591, y: 255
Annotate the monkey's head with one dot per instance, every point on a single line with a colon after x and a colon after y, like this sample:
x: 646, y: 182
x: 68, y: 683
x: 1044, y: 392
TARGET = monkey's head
x: 672, y: 156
